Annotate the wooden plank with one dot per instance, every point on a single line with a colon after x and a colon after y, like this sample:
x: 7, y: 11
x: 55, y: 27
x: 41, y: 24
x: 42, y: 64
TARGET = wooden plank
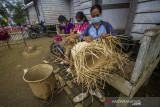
x: 140, y: 58
x: 100, y: 2
x: 120, y: 31
x: 115, y: 6
x: 118, y: 22
x: 94, y: 2
x: 86, y: 11
x: 140, y: 1
x: 140, y: 28
x: 114, y: 1
x: 131, y: 16
x: 147, y: 18
x: 151, y: 6
x: 82, y: 1
x: 147, y: 53
x: 144, y: 76
x: 120, y: 84
x: 86, y: 5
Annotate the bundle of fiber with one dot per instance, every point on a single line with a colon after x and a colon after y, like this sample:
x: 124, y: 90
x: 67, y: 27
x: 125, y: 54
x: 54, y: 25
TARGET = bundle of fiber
x: 69, y: 42
x: 96, y: 60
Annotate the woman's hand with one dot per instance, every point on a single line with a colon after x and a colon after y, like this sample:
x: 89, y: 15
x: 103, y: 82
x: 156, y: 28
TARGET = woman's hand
x: 103, y: 36
x: 60, y: 35
x: 88, y: 39
x: 75, y: 36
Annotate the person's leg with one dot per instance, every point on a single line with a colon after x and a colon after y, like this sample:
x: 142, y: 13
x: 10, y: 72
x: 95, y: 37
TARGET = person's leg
x: 60, y: 50
x: 70, y: 63
x: 67, y: 56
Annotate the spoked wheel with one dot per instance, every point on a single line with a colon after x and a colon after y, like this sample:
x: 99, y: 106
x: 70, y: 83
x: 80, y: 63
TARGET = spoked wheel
x: 53, y: 49
x: 33, y: 35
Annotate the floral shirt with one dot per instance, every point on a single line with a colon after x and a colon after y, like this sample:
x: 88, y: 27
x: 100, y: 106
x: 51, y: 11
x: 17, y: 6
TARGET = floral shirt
x: 80, y: 28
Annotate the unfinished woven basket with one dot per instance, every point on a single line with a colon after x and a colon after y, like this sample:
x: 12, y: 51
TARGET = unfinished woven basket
x: 95, y: 60
x: 69, y: 42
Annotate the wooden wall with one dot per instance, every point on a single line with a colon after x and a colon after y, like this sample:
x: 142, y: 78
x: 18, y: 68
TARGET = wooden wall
x: 71, y: 9
x: 82, y: 5
x: 32, y: 15
x: 116, y: 13
x: 53, y: 8
x: 40, y: 10
x: 147, y: 14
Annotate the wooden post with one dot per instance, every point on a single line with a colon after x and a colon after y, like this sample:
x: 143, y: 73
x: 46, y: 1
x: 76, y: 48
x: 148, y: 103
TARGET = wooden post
x: 58, y: 29
x: 144, y: 76
x: 24, y: 39
x: 95, y: 2
x: 149, y: 50
x: 133, y: 5
x: 24, y: 42
x: 7, y: 41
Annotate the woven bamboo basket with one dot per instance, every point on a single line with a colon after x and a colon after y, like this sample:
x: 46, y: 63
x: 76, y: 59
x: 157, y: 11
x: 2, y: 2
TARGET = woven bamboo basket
x: 41, y: 80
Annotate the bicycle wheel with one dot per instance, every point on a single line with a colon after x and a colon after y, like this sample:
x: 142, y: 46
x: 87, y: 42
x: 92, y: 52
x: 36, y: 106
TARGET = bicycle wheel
x: 53, y: 49
x: 33, y: 35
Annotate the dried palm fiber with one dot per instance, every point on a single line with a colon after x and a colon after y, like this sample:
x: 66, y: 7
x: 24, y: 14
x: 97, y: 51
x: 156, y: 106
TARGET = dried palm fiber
x: 69, y: 42
x: 96, y: 60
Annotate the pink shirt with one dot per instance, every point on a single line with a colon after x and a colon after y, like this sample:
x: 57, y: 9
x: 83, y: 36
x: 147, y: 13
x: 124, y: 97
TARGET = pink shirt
x: 80, y: 28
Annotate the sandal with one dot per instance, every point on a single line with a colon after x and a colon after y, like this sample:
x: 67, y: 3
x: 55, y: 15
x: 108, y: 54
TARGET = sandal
x: 80, y: 97
x: 68, y: 70
x: 96, y: 93
x: 62, y: 63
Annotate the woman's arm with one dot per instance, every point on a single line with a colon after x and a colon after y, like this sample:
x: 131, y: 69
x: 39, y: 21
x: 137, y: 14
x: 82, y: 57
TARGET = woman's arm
x: 71, y: 31
x: 63, y: 34
x: 84, y: 33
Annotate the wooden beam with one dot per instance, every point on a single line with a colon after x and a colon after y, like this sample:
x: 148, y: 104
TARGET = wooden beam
x: 94, y: 2
x: 131, y: 16
x: 144, y: 76
x: 118, y: 31
x: 148, y: 52
x: 120, y: 83
x: 100, y: 2
x: 115, y: 6
x: 7, y: 41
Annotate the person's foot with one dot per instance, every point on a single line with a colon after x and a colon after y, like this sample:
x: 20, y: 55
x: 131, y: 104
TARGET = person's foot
x: 96, y: 93
x: 80, y: 97
x: 62, y: 63
x: 68, y: 70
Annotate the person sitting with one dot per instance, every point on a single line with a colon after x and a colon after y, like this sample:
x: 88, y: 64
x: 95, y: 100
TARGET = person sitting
x: 98, y: 29
x: 82, y: 22
x: 67, y: 28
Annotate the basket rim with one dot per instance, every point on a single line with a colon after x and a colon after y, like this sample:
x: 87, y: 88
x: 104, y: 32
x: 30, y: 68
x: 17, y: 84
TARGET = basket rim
x: 36, y: 80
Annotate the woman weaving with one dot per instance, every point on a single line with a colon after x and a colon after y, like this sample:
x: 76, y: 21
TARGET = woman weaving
x: 97, y: 30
